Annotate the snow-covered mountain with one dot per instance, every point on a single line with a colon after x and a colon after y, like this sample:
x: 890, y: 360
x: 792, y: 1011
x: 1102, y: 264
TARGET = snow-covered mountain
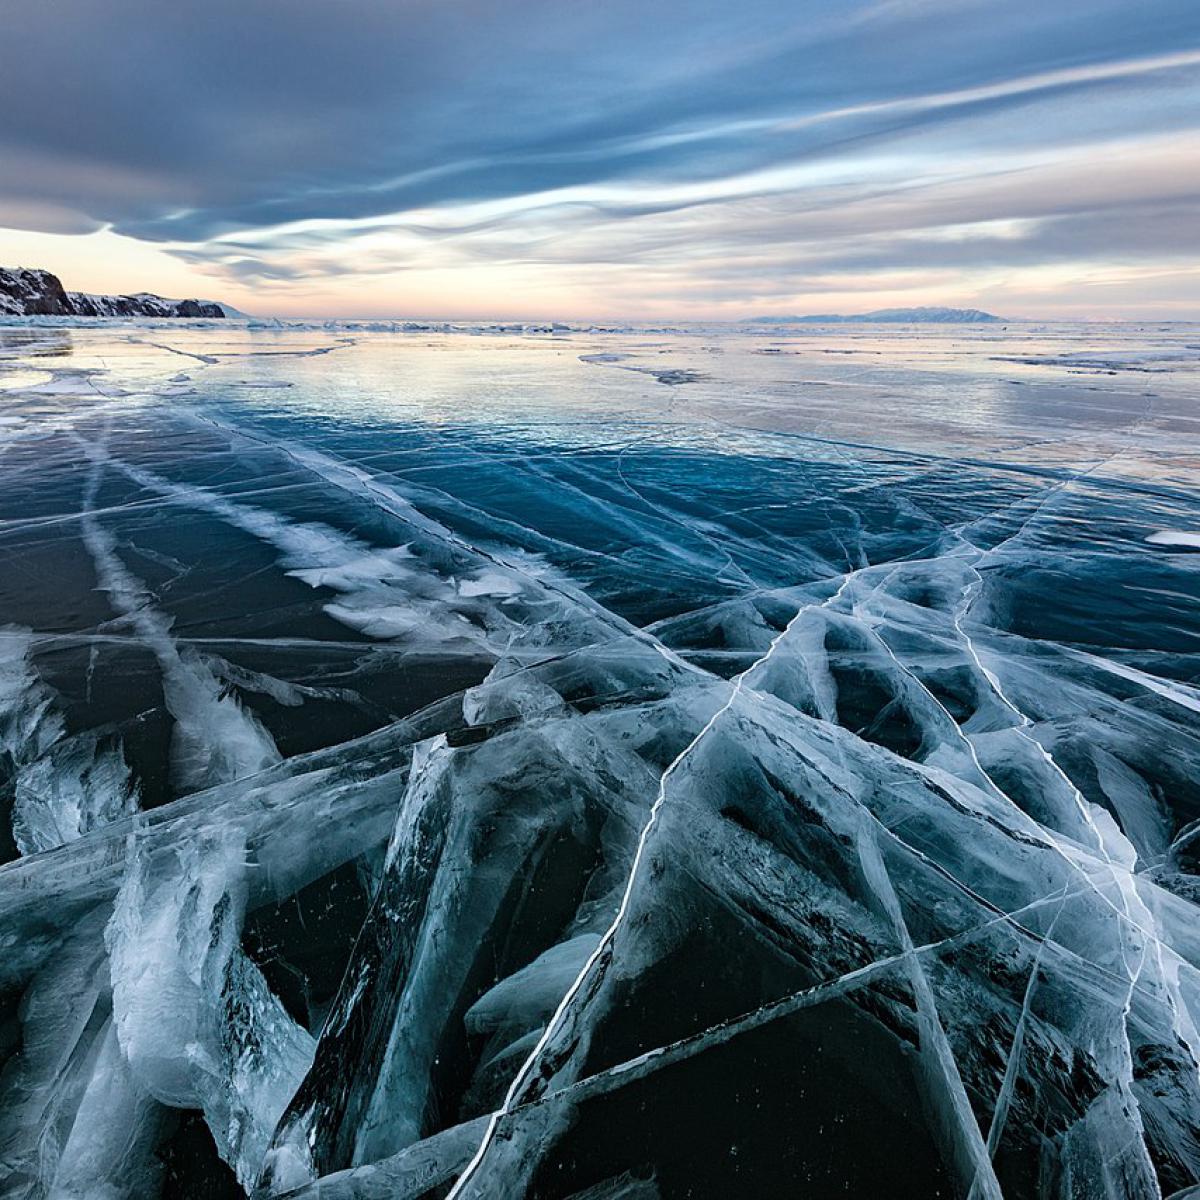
x: 898, y: 316
x: 30, y: 292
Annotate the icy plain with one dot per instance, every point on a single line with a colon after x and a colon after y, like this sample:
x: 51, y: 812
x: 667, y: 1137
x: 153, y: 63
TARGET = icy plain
x: 599, y: 763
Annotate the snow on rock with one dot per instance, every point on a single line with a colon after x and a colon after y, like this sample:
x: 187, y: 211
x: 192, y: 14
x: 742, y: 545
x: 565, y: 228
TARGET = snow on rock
x: 30, y: 292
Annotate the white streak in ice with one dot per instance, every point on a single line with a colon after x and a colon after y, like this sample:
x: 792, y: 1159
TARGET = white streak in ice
x: 606, y: 939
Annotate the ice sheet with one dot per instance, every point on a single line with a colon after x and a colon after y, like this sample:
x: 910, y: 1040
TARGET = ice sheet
x: 557, y: 761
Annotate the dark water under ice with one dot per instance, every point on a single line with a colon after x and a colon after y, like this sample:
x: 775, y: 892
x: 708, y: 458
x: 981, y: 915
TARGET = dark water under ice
x: 689, y: 763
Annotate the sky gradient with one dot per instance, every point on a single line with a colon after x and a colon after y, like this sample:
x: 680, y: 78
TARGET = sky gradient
x: 588, y: 159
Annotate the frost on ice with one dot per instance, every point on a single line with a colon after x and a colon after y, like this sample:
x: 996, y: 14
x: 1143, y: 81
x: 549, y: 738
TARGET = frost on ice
x: 689, y: 799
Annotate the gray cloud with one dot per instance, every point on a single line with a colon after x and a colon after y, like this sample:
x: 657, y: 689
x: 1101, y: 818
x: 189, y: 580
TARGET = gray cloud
x: 239, y: 115
x: 605, y: 134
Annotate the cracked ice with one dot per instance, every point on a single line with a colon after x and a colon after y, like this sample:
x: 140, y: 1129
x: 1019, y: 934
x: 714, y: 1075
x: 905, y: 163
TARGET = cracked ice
x: 459, y: 765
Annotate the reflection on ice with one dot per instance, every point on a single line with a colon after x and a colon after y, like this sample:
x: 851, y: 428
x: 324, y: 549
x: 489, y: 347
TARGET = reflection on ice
x: 463, y: 766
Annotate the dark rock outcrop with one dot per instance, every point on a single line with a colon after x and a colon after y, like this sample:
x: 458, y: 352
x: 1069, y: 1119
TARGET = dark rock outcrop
x: 31, y: 293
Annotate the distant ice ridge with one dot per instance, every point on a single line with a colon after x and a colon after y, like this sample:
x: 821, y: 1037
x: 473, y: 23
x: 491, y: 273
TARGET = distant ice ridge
x: 476, y: 328
x: 167, y: 320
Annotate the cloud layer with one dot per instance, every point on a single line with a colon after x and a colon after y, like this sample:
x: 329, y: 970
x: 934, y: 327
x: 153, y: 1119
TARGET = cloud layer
x: 689, y: 153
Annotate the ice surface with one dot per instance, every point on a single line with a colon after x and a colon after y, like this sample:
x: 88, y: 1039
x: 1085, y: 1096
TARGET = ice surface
x: 444, y: 761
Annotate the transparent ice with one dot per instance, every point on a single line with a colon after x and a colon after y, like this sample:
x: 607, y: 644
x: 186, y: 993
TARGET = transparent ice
x: 598, y: 763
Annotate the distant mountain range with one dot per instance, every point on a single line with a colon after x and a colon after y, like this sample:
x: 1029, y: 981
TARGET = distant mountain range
x: 885, y: 316
x: 26, y: 292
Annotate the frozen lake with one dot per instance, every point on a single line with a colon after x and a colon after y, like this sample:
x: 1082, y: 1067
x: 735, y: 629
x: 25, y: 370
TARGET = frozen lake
x: 700, y: 762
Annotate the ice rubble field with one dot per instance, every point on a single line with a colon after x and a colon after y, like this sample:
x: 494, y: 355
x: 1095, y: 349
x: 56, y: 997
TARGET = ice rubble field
x: 596, y: 764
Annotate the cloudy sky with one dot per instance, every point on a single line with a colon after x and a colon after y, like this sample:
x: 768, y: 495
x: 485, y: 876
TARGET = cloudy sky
x: 607, y: 158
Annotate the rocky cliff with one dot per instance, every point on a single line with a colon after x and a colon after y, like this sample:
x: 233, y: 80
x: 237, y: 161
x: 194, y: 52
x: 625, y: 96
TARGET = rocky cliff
x: 30, y: 293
